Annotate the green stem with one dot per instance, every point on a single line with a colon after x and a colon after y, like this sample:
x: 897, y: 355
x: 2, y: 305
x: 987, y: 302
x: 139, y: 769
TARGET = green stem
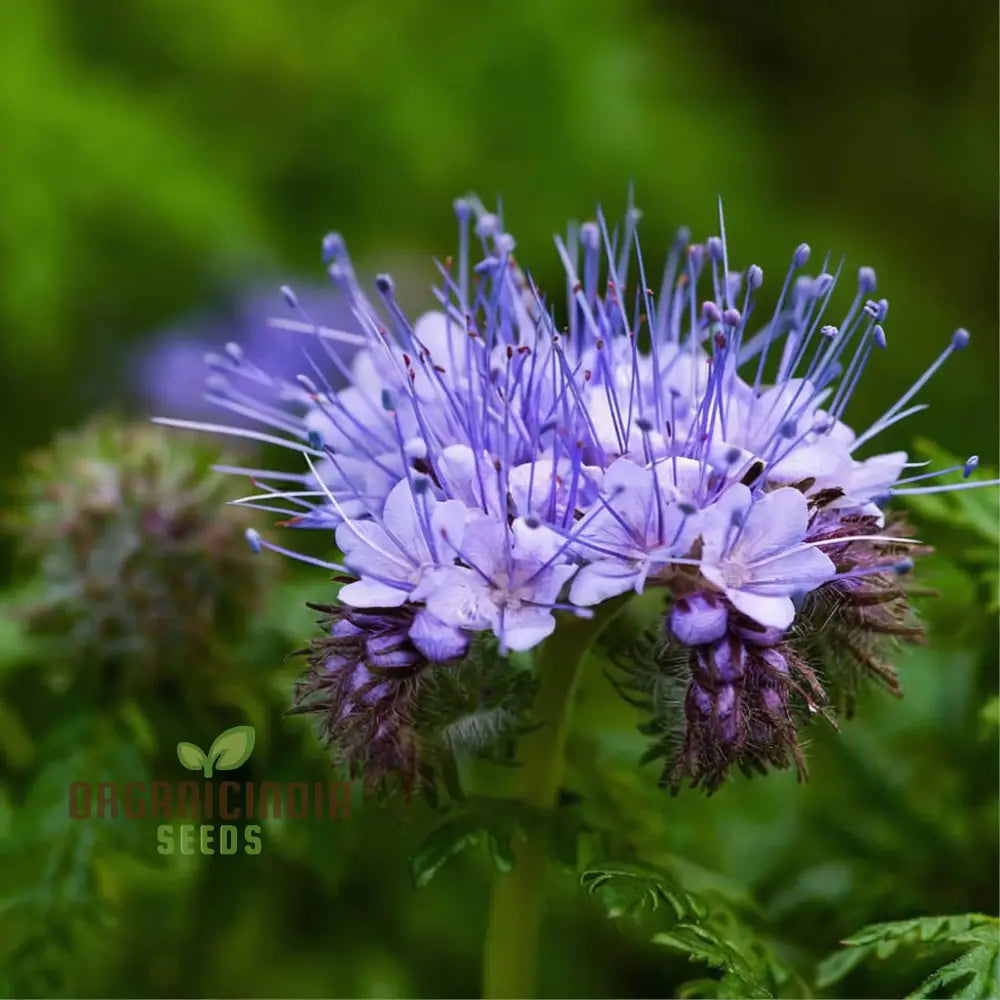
x: 511, y: 950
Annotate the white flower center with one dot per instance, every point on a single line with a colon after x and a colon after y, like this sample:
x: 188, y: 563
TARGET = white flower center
x: 506, y: 594
x: 735, y: 574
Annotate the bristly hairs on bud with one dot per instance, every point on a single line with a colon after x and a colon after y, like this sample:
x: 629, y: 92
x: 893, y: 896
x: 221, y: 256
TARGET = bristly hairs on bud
x: 476, y: 709
x: 141, y: 578
x: 742, y: 699
x: 708, y: 712
x: 396, y: 723
x: 849, y: 628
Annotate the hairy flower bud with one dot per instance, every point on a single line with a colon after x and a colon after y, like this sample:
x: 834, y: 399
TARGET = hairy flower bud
x: 139, y: 571
x: 738, y: 712
x: 698, y: 619
x: 362, y: 682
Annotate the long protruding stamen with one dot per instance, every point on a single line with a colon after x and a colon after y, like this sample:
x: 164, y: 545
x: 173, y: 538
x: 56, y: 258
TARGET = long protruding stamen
x: 875, y: 337
x: 239, y: 432
x: 324, y: 332
x: 944, y: 489
x: 667, y: 295
x: 812, y: 302
x: 959, y: 342
x: 966, y: 468
x: 799, y: 258
x: 257, y: 543
x: 727, y: 299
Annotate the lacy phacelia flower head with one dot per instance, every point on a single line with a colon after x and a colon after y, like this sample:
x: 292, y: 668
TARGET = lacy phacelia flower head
x: 497, y: 468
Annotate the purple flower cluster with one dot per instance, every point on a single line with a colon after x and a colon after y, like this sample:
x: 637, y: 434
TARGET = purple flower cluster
x: 486, y: 465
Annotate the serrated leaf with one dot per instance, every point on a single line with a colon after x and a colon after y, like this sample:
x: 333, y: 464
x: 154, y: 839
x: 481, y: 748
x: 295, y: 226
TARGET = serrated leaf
x: 918, y: 929
x: 191, y: 756
x: 979, y: 965
x: 839, y: 964
x: 232, y: 748
x: 926, y: 935
x: 702, y: 944
x: 701, y: 923
x: 628, y: 888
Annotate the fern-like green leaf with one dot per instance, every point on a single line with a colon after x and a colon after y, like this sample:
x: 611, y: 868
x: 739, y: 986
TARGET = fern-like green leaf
x: 701, y: 924
x: 743, y: 976
x: 498, y: 823
x: 54, y: 904
x: 455, y: 836
x: 974, y: 974
x: 628, y: 888
x: 977, y: 968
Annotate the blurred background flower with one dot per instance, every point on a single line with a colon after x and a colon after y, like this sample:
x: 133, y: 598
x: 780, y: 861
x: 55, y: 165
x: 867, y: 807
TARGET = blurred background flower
x: 171, y: 365
x: 163, y: 162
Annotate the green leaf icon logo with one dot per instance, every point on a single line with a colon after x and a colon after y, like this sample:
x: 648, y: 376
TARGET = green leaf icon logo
x: 229, y: 750
x: 232, y: 748
x: 191, y: 756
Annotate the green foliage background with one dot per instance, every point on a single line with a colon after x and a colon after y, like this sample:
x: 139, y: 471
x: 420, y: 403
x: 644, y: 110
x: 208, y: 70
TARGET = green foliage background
x: 156, y: 154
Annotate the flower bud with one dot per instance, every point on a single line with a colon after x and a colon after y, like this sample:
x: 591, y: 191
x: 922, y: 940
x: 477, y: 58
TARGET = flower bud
x: 139, y: 566
x: 700, y: 618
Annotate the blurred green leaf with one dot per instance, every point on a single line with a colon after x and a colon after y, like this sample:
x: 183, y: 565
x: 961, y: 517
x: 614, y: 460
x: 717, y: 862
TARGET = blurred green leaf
x: 976, y: 935
x: 626, y: 888
x: 497, y: 823
x: 16, y: 645
x: 139, y: 726
x: 457, y: 835
x: 702, y: 944
x: 15, y: 741
x: 978, y: 967
x: 53, y: 900
x: 989, y: 717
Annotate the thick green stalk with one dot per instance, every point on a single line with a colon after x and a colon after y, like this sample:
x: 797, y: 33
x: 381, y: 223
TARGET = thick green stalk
x: 511, y: 950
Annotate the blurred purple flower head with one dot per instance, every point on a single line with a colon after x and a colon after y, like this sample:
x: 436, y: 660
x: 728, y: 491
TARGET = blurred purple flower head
x: 170, y: 366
